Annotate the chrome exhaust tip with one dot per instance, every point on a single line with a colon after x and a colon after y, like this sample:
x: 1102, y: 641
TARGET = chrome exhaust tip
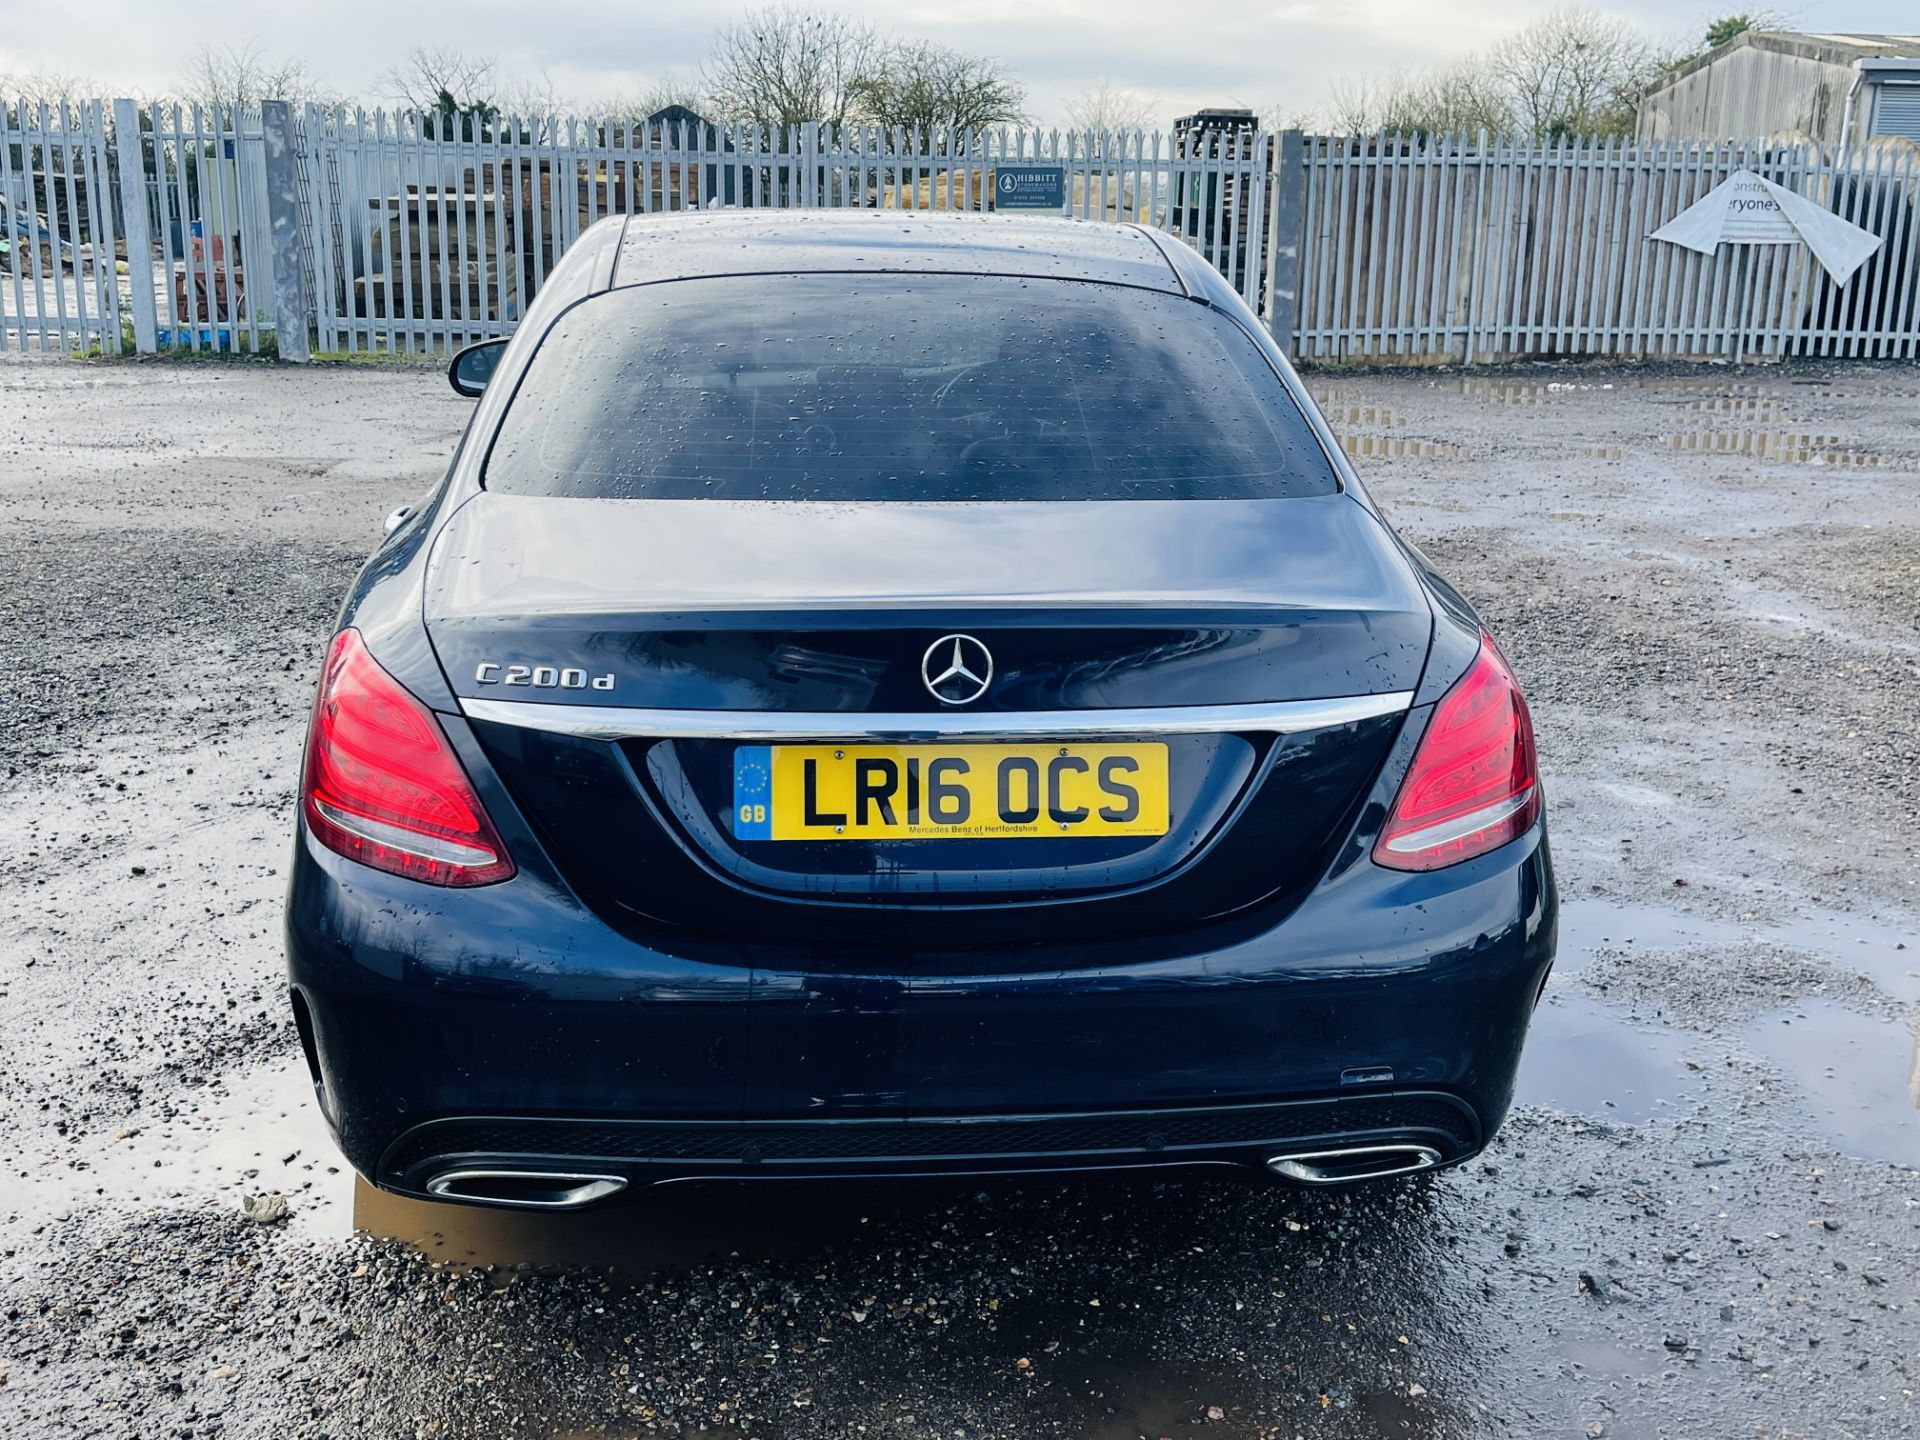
x: 1354, y: 1162
x: 528, y: 1189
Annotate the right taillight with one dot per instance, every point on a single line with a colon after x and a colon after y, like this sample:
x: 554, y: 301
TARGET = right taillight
x: 383, y: 786
x: 1473, y: 784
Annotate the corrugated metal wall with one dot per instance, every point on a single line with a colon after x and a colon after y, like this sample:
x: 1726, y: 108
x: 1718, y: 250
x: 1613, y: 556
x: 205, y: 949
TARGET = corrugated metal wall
x: 1749, y: 92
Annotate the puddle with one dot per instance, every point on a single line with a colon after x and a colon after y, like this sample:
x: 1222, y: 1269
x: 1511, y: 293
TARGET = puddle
x: 1757, y: 422
x: 1132, y: 1401
x: 1585, y: 925
x: 1749, y: 405
x: 671, y: 1228
x: 1354, y: 419
x: 1521, y: 392
x: 258, y: 1133
x: 1396, y: 447
x: 1782, y: 447
x: 1369, y: 1415
x: 1600, y: 1357
x: 1859, y: 1073
x: 1710, y: 384
x: 1729, y: 418
x: 1716, y: 393
x: 1347, y: 414
x: 1588, y: 1058
x: 1888, y: 954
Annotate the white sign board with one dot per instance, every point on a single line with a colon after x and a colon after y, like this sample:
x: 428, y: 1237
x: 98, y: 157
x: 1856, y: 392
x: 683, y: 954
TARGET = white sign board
x: 1749, y: 209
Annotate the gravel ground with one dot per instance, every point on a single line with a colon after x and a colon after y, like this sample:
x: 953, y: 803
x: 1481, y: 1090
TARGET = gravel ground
x: 1702, y: 1220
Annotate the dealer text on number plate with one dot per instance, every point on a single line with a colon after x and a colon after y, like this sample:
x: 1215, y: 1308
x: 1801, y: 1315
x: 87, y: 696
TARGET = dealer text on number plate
x: 951, y: 792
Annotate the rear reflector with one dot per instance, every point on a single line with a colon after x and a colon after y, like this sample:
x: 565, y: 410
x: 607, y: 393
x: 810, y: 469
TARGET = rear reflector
x: 383, y: 786
x: 1473, y: 785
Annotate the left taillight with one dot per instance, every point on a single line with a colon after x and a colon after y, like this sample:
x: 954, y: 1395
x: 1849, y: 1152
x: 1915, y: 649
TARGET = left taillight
x: 382, y: 785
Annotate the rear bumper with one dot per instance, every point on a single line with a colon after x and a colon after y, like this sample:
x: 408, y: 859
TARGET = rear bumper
x: 508, y: 1026
x: 644, y: 1152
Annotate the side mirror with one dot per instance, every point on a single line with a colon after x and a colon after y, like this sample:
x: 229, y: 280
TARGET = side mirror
x: 471, y: 368
x: 396, y: 519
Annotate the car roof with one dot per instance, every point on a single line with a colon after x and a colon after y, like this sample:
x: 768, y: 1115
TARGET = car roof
x: 784, y: 242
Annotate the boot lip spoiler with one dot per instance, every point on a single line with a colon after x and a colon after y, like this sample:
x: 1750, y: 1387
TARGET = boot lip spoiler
x: 614, y: 722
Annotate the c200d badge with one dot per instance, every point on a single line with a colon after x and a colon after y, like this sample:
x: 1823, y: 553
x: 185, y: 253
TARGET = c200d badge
x: 542, y: 677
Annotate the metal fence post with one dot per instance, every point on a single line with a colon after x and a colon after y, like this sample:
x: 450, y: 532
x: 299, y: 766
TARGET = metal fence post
x: 283, y: 222
x: 132, y: 174
x: 1284, y: 267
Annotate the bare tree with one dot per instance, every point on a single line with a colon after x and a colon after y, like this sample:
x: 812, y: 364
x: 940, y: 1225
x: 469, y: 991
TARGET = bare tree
x: 1451, y: 100
x: 931, y: 87
x: 782, y: 65
x: 239, y: 76
x: 1466, y: 98
x: 25, y: 92
x: 1102, y: 106
x: 665, y: 91
x: 1361, y: 105
x: 1576, y: 72
x: 434, y: 77
x: 531, y: 96
x: 1286, y: 115
x: 468, y: 95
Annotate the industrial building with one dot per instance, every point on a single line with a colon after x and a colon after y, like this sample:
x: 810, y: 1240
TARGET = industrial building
x: 1837, y: 88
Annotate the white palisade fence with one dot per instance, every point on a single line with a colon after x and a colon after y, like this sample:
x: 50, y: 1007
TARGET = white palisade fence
x: 58, y: 284
x: 1447, y: 248
x: 426, y: 234
x: 348, y: 230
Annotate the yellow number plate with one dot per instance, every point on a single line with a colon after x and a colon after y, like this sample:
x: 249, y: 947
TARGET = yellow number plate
x: 948, y: 792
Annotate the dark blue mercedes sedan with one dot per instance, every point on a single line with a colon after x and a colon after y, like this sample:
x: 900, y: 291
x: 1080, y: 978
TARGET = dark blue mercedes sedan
x: 884, y: 695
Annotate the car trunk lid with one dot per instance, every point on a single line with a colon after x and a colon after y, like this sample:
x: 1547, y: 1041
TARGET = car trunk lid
x: 615, y: 657
x: 689, y: 604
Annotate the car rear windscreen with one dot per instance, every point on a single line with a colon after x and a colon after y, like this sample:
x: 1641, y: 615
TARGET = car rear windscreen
x: 890, y: 387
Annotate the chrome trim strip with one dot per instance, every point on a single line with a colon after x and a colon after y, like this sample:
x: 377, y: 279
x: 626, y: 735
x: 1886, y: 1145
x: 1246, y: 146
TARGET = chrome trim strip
x: 613, y: 722
x: 621, y: 722
x: 427, y: 847
x: 1445, y: 832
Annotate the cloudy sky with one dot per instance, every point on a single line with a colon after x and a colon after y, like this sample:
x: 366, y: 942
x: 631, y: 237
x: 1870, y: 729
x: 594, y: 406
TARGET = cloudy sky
x: 1275, y: 55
